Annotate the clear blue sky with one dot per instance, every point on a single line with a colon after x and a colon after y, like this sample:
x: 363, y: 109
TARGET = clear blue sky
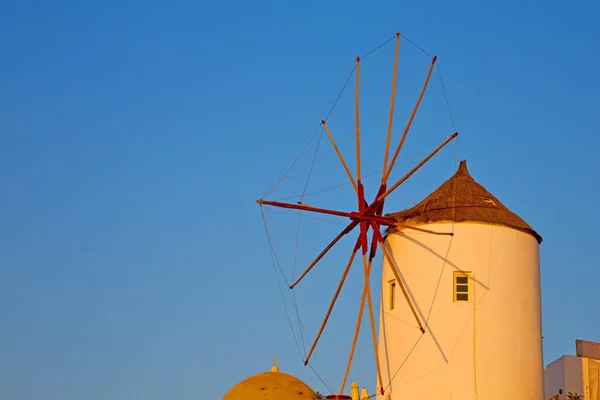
x: 136, y: 135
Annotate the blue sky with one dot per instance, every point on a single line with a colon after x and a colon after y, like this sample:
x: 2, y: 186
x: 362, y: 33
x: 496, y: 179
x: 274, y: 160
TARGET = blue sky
x: 135, y: 137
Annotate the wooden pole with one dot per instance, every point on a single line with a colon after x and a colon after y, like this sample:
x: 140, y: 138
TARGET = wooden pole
x: 355, y: 216
x: 408, y: 124
x: 412, y: 171
x: 372, y: 319
x: 357, y: 121
x: 335, y: 296
x: 366, y: 293
x: 316, y: 260
x: 356, y: 332
x: 392, y: 102
x: 401, y: 226
x: 340, y: 156
x: 397, y: 276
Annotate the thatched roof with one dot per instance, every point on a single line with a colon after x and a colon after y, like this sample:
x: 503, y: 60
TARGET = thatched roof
x: 461, y: 199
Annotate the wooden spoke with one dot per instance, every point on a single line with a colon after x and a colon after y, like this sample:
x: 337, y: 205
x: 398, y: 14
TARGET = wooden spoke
x: 389, y: 132
x: 414, y: 228
x: 333, y: 300
x: 365, y: 294
x: 367, y: 269
x: 357, y: 121
x: 390, y: 261
x: 356, y: 332
x: 329, y: 246
x: 340, y: 156
x: 412, y: 171
x: 352, y: 215
x: 408, y: 124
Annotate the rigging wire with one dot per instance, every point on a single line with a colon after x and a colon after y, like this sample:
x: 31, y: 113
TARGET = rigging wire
x: 280, y: 185
x: 352, y: 73
x: 337, y: 98
x: 341, y: 92
x: 312, y: 164
x: 326, y: 383
x: 276, y: 262
x: 400, y: 89
x: 311, y: 307
x: 313, y: 129
x: 280, y: 176
x: 446, y: 96
x: 335, y: 342
x: 306, y: 299
x: 304, y: 251
x: 323, y: 382
x: 300, y: 325
x: 285, y: 170
x: 298, y: 229
x: 417, y: 46
x: 324, y: 220
x: 365, y: 75
x: 340, y: 185
x: 378, y: 47
x: 287, y: 211
x: 474, y: 347
x: 365, y: 177
x: 335, y: 102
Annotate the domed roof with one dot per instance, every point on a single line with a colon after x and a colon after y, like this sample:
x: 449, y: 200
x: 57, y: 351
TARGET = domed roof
x: 461, y: 199
x: 272, y: 385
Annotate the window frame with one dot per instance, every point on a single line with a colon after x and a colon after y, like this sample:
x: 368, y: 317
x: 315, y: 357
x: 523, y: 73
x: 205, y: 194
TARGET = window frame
x: 455, y: 285
x: 391, y: 294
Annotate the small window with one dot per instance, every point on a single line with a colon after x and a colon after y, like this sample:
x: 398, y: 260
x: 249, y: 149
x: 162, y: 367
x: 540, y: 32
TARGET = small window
x: 392, y: 294
x: 488, y: 200
x: 462, y: 286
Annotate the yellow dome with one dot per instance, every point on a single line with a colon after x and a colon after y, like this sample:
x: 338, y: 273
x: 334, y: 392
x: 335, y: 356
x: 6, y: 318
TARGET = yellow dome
x: 270, y: 386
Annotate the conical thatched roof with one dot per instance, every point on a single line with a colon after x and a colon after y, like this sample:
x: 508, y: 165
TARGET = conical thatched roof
x: 461, y: 199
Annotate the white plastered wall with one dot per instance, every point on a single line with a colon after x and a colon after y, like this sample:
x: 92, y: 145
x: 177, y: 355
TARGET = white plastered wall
x: 489, y: 348
x: 554, y: 378
x: 572, y: 374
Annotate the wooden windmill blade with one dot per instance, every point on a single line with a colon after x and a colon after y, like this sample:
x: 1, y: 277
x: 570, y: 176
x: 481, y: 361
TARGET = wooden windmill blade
x: 367, y: 217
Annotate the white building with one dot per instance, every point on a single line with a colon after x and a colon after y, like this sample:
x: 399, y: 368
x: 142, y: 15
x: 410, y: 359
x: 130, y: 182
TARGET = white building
x: 575, y: 374
x: 477, y: 293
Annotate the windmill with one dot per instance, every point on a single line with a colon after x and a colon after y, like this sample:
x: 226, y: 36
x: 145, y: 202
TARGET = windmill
x: 368, y: 220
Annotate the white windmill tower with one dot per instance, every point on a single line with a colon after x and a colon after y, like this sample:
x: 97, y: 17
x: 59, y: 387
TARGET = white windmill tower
x: 470, y: 269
